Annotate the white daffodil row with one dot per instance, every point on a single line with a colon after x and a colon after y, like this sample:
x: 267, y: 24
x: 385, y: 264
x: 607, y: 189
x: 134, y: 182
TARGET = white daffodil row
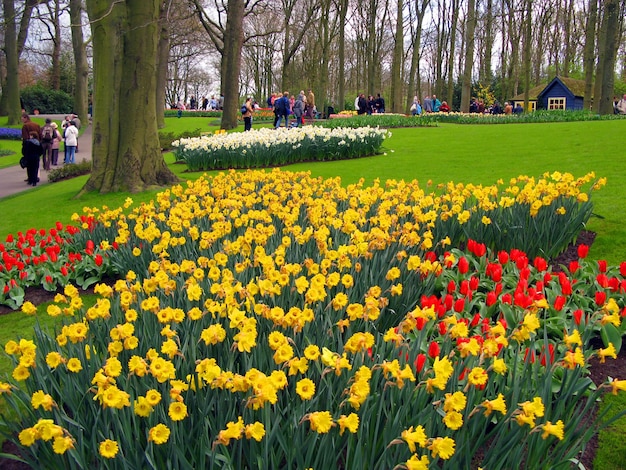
x: 273, y: 147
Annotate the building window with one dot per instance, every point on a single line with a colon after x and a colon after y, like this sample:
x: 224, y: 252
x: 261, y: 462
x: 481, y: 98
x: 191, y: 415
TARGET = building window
x: 556, y: 103
x: 532, y: 105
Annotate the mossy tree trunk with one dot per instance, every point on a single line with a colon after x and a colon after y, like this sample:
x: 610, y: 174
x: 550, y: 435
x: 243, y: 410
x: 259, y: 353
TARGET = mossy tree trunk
x: 81, y: 98
x: 470, y: 27
x: 126, y: 153
x: 231, y: 62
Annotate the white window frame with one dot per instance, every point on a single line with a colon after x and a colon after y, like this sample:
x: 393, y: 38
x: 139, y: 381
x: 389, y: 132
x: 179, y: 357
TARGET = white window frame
x: 557, y: 103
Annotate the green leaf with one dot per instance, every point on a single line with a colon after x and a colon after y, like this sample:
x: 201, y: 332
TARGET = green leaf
x: 610, y: 334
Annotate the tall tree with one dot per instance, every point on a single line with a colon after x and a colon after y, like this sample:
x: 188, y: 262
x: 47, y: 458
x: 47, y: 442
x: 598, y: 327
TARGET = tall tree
x: 608, y: 33
x: 590, y: 51
x: 528, y: 29
x: 231, y: 62
x: 454, y: 6
x: 81, y: 91
x: 414, y: 82
x: 14, y: 40
x: 342, y: 11
x: 11, y: 89
x: 398, y: 60
x: 470, y: 27
x: 126, y: 153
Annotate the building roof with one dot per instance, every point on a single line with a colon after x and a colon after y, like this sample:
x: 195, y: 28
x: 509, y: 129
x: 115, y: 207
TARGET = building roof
x: 577, y: 87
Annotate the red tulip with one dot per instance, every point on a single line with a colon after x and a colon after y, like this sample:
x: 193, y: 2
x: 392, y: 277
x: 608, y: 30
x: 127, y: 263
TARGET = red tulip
x: 503, y: 257
x: 459, y: 305
x: 463, y: 265
x: 491, y: 299
x: 600, y: 298
x: 433, y: 349
x: 559, y: 303
x: 578, y: 316
x: 98, y: 260
x: 622, y: 268
x: 583, y: 251
x: 540, y: 264
x: 602, y: 266
x: 420, y: 360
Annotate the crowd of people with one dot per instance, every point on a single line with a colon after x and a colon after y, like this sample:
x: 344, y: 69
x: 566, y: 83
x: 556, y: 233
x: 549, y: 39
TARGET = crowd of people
x: 433, y: 105
x: 369, y: 105
x: 38, y: 142
x: 285, y: 105
x: 203, y: 104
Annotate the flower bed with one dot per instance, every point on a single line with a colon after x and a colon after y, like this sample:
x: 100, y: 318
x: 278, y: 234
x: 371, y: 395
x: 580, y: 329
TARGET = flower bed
x: 8, y: 133
x: 274, y: 147
x: 535, y: 116
x: 270, y: 315
x: 541, y: 216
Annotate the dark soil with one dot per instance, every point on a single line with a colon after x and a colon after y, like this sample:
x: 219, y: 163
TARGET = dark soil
x: 599, y: 372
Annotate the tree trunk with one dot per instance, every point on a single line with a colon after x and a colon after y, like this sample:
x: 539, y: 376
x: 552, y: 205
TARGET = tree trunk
x: 372, y: 60
x: 233, y: 42
x: 485, y: 76
x: 466, y: 88
x: 398, y: 56
x: 528, y: 24
x: 343, y: 11
x: 126, y: 153
x: 81, y: 98
x: 455, y: 18
x: 590, y: 51
x: 55, y: 81
x: 11, y: 91
x: 611, y: 14
x: 414, y: 79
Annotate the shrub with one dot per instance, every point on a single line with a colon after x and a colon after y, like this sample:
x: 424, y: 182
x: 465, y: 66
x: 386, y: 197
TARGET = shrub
x: 534, y: 117
x: 383, y: 120
x: 70, y: 170
x: 6, y: 152
x: 174, y: 113
x: 46, y: 101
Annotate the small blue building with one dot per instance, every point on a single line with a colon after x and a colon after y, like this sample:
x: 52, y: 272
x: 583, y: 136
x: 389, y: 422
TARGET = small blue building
x: 560, y: 93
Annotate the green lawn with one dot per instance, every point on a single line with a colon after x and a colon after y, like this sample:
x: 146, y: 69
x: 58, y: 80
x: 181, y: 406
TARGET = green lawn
x: 463, y: 153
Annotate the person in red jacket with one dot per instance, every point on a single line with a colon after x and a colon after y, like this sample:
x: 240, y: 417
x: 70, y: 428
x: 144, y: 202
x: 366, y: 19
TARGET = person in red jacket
x: 444, y: 108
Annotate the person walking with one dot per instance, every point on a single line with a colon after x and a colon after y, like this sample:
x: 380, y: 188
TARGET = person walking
x: 247, y: 116
x: 281, y: 107
x: 298, y: 109
x: 31, y: 151
x: 310, y: 105
x: 71, y: 141
x: 46, y: 138
x: 56, y: 140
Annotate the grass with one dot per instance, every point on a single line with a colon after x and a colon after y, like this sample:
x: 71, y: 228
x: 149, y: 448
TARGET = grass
x: 462, y: 153
x: 14, y: 146
x: 611, y: 448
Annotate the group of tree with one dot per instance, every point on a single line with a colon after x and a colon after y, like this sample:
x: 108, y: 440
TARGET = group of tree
x: 146, y: 54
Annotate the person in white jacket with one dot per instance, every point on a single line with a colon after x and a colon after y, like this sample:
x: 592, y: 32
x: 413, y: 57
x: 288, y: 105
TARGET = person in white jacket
x: 71, y: 141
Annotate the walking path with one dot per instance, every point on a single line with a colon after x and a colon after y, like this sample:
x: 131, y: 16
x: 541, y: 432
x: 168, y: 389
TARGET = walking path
x: 12, y: 178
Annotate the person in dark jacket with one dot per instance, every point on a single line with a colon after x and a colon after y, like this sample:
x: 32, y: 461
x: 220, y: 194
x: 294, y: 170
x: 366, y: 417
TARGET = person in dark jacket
x: 32, y: 151
x: 362, y: 104
x: 298, y: 109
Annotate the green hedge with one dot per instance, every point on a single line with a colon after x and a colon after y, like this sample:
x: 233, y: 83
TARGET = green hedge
x: 46, y: 101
